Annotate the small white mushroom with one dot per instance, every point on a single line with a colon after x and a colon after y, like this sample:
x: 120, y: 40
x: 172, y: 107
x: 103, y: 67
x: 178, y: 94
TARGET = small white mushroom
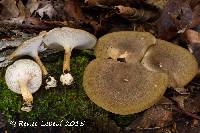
x: 31, y: 48
x: 68, y: 38
x: 24, y: 77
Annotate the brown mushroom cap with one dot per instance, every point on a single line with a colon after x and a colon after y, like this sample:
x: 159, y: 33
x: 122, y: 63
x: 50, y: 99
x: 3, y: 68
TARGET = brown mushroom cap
x: 125, y: 44
x: 123, y: 88
x: 177, y: 62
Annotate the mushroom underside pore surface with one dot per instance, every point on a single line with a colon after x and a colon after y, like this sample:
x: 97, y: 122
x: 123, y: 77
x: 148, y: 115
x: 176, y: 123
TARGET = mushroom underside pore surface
x: 24, y: 77
x: 125, y: 44
x: 123, y: 88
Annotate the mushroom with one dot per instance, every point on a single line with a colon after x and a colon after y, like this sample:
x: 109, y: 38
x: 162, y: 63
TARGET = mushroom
x: 31, y: 47
x: 133, y: 85
x: 129, y: 45
x: 68, y: 38
x: 24, y: 77
x: 123, y: 88
x: 177, y: 62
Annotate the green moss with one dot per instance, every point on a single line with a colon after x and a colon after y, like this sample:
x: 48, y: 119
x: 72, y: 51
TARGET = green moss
x: 62, y: 103
x: 65, y: 103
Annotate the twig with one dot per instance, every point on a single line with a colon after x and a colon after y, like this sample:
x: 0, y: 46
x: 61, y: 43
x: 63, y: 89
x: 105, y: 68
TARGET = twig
x: 35, y: 24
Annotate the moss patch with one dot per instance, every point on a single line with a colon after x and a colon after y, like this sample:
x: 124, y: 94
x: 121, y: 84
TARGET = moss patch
x: 64, y: 103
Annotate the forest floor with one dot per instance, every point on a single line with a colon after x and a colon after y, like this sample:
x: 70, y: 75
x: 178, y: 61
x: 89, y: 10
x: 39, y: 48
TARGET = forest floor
x: 177, y: 112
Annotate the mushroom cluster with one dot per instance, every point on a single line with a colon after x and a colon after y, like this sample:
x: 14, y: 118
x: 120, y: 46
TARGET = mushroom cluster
x: 59, y: 38
x: 25, y: 76
x: 133, y: 70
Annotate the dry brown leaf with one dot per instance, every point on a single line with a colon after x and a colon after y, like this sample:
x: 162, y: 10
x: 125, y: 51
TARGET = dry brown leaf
x: 47, y: 10
x: 105, y: 2
x: 20, y: 19
x: 192, y: 104
x: 134, y: 14
x: 73, y: 10
x: 180, y: 99
x: 176, y: 17
x: 196, y: 15
x: 10, y: 9
x: 156, y: 117
x: 160, y: 4
x: 32, y: 5
x: 193, y: 37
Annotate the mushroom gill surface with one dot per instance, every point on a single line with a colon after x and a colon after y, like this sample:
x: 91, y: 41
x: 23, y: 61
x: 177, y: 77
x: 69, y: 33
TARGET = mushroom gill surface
x: 123, y: 88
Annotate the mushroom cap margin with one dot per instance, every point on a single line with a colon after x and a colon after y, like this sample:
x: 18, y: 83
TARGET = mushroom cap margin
x: 177, y: 62
x: 118, y: 44
x: 123, y: 88
x: 69, y: 38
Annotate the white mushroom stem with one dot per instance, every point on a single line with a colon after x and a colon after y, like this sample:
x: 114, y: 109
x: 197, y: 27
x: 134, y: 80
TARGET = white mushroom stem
x: 51, y: 82
x: 26, y: 94
x: 39, y: 62
x: 66, y: 78
x: 66, y: 62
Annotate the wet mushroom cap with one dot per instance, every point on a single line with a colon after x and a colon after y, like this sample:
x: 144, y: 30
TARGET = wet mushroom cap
x: 22, y: 70
x: 123, y: 88
x: 177, y: 62
x: 69, y: 38
x: 125, y: 44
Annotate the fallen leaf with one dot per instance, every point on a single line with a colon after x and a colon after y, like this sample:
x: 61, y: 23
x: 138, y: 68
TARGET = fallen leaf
x: 160, y: 4
x: 196, y: 15
x: 47, y: 10
x: 73, y: 10
x: 105, y: 2
x: 192, y: 104
x: 192, y: 36
x: 156, y: 117
x: 10, y: 9
x: 135, y: 14
x: 180, y: 99
x: 176, y: 17
x: 20, y: 19
x: 32, y: 5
